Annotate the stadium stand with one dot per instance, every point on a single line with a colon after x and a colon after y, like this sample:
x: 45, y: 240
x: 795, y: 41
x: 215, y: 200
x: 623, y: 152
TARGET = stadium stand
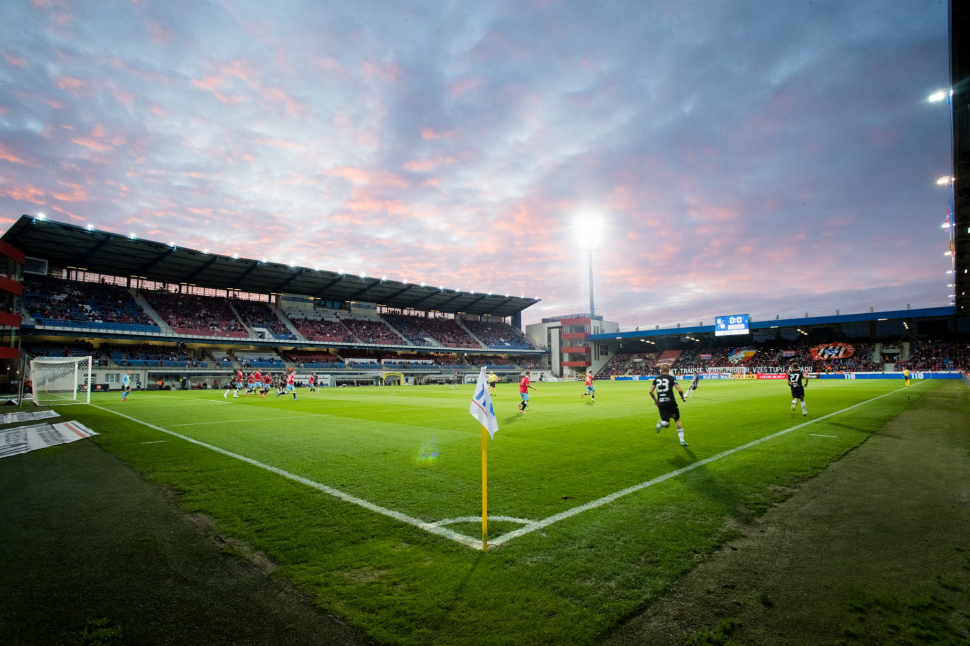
x: 927, y: 356
x: 57, y: 350
x: 321, y: 329
x: 447, y: 359
x: 196, y: 315
x: 256, y: 314
x: 314, y: 360
x: 269, y: 360
x: 623, y: 361
x: 372, y: 331
x: 446, y: 332
x: 155, y: 356
x: 491, y: 361
x: 499, y: 335
x: 64, y: 303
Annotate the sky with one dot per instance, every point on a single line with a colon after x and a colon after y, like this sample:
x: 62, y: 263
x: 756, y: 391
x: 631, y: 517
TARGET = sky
x: 760, y: 157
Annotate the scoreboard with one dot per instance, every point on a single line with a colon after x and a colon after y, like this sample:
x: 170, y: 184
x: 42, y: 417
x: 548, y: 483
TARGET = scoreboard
x: 732, y: 325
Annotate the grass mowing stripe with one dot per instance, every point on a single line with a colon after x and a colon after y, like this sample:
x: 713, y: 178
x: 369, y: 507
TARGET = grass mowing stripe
x: 569, y: 513
x: 248, y: 419
x: 440, y: 531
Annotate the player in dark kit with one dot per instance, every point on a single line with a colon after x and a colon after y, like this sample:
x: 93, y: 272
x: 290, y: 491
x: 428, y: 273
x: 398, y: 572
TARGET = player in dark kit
x: 693, y: 385
x: 664, y: 385
x: 454, y: 381
x: 797, y: 380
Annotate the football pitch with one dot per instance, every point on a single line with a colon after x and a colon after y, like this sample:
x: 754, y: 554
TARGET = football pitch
x: 370, y: 498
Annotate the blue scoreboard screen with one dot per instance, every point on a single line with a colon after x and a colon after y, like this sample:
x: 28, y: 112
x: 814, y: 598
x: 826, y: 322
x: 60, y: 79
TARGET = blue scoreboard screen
x: 731, y: 325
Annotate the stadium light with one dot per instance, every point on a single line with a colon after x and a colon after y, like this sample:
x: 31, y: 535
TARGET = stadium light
x: 939, y: 95
x: 235, y: 256
x: 205, y: 251
x: 171, y: 243
x: 943, y: 181
x: 90, y: 227
x: 948, y: 253
x: 41, y: 216
x: 132, y: 236
x: 945, y: 225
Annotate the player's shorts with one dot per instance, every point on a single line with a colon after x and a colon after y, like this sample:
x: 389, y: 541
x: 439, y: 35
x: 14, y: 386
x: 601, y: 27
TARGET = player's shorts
x: 126, y: 389
x: 525, y: 396
x: 798, y: 392
x: 669, y: 412
x: 590, y: 389
x: 290, y: 387
x: 239, y: 385
x: 693, y: 386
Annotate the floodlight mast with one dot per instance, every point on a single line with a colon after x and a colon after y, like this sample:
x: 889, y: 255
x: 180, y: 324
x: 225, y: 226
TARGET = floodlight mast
x: 592, y: 308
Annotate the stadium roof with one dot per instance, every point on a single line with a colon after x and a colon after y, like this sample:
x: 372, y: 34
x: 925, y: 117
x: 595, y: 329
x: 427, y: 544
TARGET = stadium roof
x: 788, y: 323
x: 103, y: 252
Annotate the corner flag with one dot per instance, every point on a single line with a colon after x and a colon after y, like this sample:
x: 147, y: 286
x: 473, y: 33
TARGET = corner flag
x: 481, y: 407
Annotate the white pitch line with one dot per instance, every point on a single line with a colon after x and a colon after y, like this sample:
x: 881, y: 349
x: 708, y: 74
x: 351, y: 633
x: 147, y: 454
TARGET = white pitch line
x: 475, y: 543
x: 817, y: 435
x: 155, y: 442
x: 569, y: 513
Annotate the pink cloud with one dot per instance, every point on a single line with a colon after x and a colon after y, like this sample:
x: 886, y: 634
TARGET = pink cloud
x: 7, y: 155
x: 26, y: 193
x: 15, y: 61
x: 431, y: 133
x: 76, y: 194
x: 419, y: 166
x: 69, y: 84
x: 463, y: 86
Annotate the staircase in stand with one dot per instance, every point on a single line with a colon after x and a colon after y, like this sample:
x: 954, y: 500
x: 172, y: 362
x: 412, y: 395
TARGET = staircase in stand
x: 289, y: 325
x: 159, y: 321
x: 469, y: 333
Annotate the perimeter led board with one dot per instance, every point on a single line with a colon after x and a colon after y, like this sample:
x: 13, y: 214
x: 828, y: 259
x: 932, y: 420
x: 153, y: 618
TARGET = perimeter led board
x: 732, y: 325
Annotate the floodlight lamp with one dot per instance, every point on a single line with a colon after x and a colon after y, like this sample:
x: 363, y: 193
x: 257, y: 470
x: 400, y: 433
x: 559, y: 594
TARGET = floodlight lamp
x: 948, y: 253
x: 588, y: 230
x: 205, y: 251
x: 263, y: 260
x: 132, y: 236
x: 41, y: 216
x: 90, y: 227
x: 939, y: 95
x: 945, y: 225
x: 943, y: 181
x: 235, y: 256
x: 171, y: 244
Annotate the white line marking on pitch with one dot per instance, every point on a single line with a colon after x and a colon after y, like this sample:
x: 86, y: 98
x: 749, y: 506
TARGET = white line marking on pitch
x: 476, y: 543
x: 336, y: 493
x: 155, y: 442
x: 817, y: 435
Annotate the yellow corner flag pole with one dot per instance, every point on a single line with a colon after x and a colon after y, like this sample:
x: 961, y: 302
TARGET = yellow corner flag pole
x: 484, y: 489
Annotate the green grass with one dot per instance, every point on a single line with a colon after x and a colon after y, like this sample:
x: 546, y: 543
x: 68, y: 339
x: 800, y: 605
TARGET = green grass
x: 569, y: 582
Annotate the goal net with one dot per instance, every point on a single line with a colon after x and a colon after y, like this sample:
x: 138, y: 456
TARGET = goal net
x: 59, y: 381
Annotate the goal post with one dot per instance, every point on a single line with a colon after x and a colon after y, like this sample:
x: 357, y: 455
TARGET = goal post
x: 61, y: 380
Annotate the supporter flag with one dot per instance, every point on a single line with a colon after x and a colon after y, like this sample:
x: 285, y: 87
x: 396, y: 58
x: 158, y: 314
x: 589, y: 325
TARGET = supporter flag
x: 481, y: 407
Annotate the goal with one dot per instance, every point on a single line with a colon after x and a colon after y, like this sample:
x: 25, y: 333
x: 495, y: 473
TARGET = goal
x: 59, y: 381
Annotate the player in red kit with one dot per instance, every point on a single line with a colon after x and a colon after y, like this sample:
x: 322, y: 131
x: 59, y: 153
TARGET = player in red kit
x: 267, y: 382
x: 589, y: 387
x: 251, y: 383
x: 290, y: 388
x: 524, y: 387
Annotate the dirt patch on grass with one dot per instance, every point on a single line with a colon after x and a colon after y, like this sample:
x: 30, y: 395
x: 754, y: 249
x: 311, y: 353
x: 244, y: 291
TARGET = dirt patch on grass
x: 872, y: 551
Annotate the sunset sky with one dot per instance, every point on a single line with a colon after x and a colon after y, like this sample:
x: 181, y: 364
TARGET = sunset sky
x: 727, y: 157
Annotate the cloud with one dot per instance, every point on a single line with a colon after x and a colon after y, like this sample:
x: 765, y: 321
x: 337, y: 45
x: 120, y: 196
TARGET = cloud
x: 783, y: 167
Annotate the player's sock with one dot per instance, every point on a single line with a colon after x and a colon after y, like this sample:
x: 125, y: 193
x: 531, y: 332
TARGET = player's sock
x: 680, y: 434
x: 804, y: 409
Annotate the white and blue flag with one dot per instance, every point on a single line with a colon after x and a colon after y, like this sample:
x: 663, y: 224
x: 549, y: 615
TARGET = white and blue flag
x: 481, y: 408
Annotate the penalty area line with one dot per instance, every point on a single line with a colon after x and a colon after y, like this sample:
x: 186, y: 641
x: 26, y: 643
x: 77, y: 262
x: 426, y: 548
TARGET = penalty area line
x: 444, y: 532
x: 569, y: 513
